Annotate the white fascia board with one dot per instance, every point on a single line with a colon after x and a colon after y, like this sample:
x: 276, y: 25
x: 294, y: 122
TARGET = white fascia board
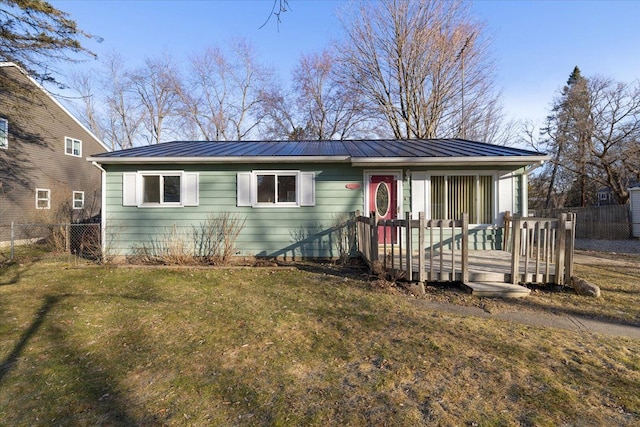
x: 236, y: 159
x: 449, y: 161
x: 355, y: 161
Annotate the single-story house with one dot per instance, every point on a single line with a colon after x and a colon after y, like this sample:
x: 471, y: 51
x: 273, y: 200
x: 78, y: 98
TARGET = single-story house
x: 291, y: 194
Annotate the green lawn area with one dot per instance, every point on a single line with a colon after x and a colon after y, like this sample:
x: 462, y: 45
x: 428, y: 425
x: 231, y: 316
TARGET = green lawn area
x: 100, y: 345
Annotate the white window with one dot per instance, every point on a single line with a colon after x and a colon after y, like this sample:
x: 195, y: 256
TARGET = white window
x: 72, y: 147
x: 452, y: 195
x: 4, y: 133
x: 160, y: 189
x: 276, y: 189
x: 43, y: 198
x: 602, y: 196
x: 78, y: 200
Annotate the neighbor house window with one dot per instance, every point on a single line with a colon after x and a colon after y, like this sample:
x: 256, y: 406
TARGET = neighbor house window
x: 72, y: 147
x: 43, y: 198
x: 453, y: 195
x: 78, y: 200
x: 4, y: 133
x: 276, y: 189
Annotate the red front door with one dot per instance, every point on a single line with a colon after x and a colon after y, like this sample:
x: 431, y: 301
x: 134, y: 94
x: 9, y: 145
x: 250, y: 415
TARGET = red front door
x: 383, y: 200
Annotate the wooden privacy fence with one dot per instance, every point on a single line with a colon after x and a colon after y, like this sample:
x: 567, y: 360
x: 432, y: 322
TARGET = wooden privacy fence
x: 445, y: 241
x: 612, y: 222
x: 537, y: 245
x: 420, y: 250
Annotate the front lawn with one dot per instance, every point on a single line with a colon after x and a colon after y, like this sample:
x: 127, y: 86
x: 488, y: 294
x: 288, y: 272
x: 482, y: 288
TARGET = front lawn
x: 100, y: 345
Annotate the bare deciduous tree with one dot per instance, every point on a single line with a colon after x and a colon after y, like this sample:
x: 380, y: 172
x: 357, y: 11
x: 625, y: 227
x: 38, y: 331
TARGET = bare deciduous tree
x: 329, y: 108
x: 224, y: 93
x: 114, y: 113
x: 423, y: 64
x: 156, y: 84
x: 614, y: 145
x: 281, y: 119
x: 84, y: 84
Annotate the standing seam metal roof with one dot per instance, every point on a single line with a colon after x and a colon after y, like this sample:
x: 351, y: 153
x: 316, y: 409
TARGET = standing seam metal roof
x: 384, y: 148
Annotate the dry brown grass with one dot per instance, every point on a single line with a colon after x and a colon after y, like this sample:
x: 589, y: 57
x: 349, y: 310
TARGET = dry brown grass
x: 617, y: 275
x: 299, y: 345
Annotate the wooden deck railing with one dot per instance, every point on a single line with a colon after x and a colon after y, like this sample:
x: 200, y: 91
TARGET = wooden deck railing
x: 445, y: 241
x: 437, y: 249
x: 537, y: 244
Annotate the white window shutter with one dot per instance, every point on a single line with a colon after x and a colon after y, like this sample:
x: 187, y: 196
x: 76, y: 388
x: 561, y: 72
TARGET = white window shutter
x: 129, y: 189
x: 307, y: 189
x: 419, y: 193
x: 191, y: 189
x: 244, y: 189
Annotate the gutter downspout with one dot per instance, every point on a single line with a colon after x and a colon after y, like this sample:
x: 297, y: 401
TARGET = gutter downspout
x: 103, y: 208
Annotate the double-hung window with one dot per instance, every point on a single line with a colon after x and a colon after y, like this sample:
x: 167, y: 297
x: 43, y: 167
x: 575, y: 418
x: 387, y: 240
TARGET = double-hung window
x: 78, y: 200
x: 453, y: 195
x: 72, y: 147
x: 276, y: 188
x: 148, y: 189
x: 43, y: 198
x: 4, y: 133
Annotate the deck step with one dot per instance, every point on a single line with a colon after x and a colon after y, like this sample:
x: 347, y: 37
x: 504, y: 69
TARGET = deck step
x: 497, y: 289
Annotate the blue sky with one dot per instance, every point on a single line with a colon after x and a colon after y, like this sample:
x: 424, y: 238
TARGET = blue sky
x: 535, y: 44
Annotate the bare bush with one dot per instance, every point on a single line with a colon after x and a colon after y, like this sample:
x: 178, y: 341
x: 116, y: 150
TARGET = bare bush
x: 345, y: 232
x: 215, y: 239
x: 167, y: 247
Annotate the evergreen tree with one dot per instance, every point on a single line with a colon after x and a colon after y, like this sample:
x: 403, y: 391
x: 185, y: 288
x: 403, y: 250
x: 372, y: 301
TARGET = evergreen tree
x: 568, y: 131
x: 36, y: 35
x: 593, y: 135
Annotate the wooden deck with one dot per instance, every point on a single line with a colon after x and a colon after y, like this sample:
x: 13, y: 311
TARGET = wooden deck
x: 540, y: 252
x: 489, y: 272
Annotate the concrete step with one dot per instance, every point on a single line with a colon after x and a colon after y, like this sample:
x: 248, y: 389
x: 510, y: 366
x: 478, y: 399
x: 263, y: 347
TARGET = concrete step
x: 496, y: 289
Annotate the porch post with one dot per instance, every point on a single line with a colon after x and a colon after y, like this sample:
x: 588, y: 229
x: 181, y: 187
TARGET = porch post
x: 421, y: 249
x: 560, y: 250
x: 571, y: 234
x: 505, y: 230
x: 515, y: 250
x: 409, y: 252
x: 465, y: 247
x: 373, y: 220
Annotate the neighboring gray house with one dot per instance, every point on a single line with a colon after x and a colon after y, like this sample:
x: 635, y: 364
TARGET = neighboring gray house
x: 290, y: 193
x: 43, y: 174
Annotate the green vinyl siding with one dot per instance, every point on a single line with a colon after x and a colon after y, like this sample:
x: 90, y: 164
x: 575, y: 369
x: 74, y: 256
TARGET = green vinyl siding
x: 290, y: 232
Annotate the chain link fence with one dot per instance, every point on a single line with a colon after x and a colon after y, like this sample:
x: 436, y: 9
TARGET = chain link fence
x: 73, y: 243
